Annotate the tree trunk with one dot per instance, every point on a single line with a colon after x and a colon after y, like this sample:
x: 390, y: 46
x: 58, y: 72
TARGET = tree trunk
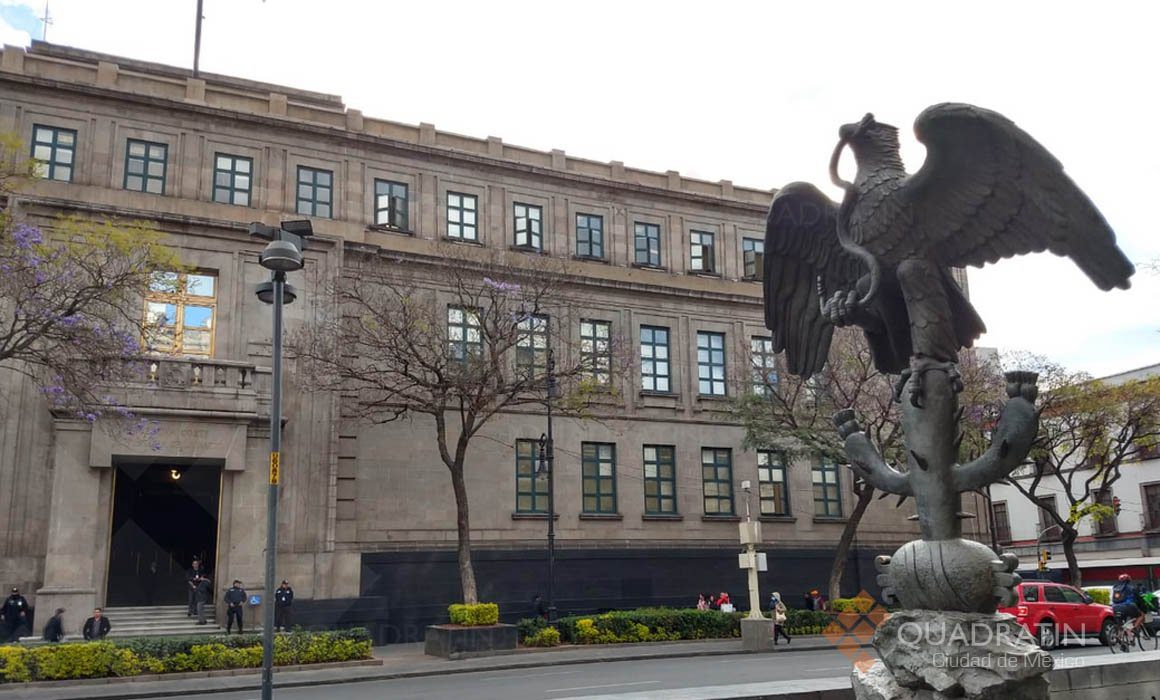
x: 844, y: 542
x: 466, y: 569
x: 1068, y: 542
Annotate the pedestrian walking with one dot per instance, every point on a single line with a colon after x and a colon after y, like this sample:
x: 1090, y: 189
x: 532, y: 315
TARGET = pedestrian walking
x: 15, y: 616
x: 97, y: 626
x: 283, y: 601
x: 203, y: 592
x: 235, y: 598
x: 779, y: 613
x: 54, y: 630
x: 702, y: 604
x: 191, y: 578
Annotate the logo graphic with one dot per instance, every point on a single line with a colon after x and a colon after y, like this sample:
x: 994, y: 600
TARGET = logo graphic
x: 855, y: 627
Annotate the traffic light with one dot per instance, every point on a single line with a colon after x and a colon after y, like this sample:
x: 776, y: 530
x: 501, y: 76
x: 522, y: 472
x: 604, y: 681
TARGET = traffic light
x: 1044, y: 557
x: 1116, y: 505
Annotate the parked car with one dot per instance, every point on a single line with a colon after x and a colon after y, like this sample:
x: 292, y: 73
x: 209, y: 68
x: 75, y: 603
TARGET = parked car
x: 1054, y: 611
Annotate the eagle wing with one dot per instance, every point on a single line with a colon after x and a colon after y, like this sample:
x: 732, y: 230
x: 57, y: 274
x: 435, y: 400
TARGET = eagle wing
x: 801, y: 244
x: 988, y: 191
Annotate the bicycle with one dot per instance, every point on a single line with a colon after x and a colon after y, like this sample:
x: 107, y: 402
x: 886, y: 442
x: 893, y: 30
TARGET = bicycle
x: 1122, y: 637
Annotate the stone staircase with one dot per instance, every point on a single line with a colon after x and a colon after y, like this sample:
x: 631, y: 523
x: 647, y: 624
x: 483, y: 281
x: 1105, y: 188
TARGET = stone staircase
x: 156, y: 621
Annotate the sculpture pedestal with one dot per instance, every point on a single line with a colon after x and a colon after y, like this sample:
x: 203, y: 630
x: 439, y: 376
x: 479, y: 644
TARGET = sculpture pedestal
x: 937, y: 655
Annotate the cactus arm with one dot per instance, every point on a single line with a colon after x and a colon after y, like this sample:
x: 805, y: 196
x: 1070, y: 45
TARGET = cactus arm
x: 1010, y: 444
x: 865, y: 459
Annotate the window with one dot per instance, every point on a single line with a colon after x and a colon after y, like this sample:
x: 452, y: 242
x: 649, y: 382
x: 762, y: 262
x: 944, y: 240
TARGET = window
x: 598, y: 470
x: 391, y: 204
x: 54, y: 150
x: 461, y: 213
x: 654, y: 358
x: 764, y: 364
x: 750, y: 247
x: 717, y: 480
x: 647, y: 242
x: 1152, y: 505
x: 463, y: 337
x: 1071, y: 595
x: 1051, y: 531
x: 315, y: 191
x: 1105, y: 525
x: 1030, y: 593
x: 1053, y: 594
x: 589, y: 236
x: 827, y: 490
x: 701, y: 245
x: 710, y: 363
x: 1002, y: 522
x: 179, y: 313
x: 532, y: 346
x: 596, y: 350
x: 145, y: 164
x: 531, y: 492
x: 660, y: 480
x: 528, y: 226
x: 232, y: 178
x: 771, y: 480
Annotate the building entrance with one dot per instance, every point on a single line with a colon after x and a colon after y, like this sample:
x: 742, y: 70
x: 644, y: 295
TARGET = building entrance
x: 165, y: 513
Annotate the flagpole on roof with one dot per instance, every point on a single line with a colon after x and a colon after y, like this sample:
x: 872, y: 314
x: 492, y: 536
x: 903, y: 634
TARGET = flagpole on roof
x: 197, y: 40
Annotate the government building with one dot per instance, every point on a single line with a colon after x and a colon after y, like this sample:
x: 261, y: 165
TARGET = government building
x: 367, y: 525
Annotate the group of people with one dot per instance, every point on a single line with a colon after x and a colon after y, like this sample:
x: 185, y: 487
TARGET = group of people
x: 201, y: 594
x: 708, y: 601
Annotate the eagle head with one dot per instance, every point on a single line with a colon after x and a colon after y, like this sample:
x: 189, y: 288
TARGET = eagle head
x: 874, y: 144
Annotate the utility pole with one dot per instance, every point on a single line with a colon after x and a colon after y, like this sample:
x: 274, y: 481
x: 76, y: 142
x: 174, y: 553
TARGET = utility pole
x: 196, y: 38
x: 547, y: 462
x: 45, y: 21
x: 756, y: 631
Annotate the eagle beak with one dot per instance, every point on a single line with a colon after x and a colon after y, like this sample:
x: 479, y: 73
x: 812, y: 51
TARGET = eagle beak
x: 834, y: 160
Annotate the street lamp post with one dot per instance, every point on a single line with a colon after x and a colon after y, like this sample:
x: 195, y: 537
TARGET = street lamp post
x: 283, y: 253
x: 547, y: 463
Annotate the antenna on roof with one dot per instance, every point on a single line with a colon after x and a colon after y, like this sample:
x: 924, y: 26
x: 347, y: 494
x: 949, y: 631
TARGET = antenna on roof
x: 197, y: 39
x: 45, y: 21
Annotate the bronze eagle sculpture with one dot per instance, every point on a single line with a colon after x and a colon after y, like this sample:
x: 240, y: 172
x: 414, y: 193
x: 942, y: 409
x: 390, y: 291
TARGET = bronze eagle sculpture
x: 881, y: 259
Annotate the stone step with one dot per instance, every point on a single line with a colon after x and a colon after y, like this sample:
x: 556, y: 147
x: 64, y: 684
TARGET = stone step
x: 165, y: 630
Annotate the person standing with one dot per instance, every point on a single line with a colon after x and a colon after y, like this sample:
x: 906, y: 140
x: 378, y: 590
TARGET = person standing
x: 191, y: 578
x: 283, y: 599
x: 97, y: 626
x: 235, y: 598
x: 203, y: 591
x: 54, y: 630
x: 14, y: 614
x: 779, y: 613
x: 702, y: 604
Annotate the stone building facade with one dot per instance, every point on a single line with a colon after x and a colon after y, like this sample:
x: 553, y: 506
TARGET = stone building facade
x: 367, y: 526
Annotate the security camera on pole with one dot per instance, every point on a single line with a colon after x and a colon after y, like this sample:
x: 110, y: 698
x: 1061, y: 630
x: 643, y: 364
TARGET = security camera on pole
x: 756, y: 630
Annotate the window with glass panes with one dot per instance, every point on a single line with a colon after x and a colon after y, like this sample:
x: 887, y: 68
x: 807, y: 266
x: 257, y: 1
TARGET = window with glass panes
x: 711, y: 363
x: 529, y: 222
x: 145, y: 164
x: 315, y: 191
x: 1047, y: 525
x: 532, y: 346
x: 1152, y: 506
x: 232, y: 179
x: 463, y: 336
x: 701, y: 248
x: 764, y: 363
x: 660, y: 480
x: 717, y: 480
x: 654, y: 358
x: 1107, y: 524
x: 391, y: 204
x: 179, y: 313
x: 461, y: 216
x: 1002, y: 521
x: 531, y: 490
x: 827, y: 490
x: 771, y: 481
x: 596, y: 350
x: 54, y: 150
x: 589, y: 236
x: 598, y: 469
x: 647, y: 244
x: 750, y: 247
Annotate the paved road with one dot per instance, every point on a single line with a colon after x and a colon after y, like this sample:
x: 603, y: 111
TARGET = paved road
x: 607, y: 678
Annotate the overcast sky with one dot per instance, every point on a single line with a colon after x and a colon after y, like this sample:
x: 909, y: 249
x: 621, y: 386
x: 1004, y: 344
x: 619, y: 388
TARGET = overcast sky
x: 752, y: 92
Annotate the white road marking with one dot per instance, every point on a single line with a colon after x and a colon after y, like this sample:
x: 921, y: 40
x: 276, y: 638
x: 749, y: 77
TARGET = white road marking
x: 609, y: 685
x: 509, y: 676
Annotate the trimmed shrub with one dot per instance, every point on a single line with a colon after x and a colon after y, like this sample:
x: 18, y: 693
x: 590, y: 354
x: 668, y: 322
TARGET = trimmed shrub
x: 649, y: 624
x: 806, y: 621
x: 530, y: 626
x: 473, y: 615
x: 1099, y: 595
x: 858, y: 605
x: 545, y: 637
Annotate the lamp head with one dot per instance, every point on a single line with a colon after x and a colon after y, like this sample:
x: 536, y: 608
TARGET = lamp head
x: 281, y: 256
x: 265, y: 293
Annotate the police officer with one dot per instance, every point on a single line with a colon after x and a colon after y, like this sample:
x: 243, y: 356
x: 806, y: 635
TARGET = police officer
x: 191, y: 578
x: 235, y: 598
x: 283, y: 599
x: 15, y: 614
x: 203, y: 592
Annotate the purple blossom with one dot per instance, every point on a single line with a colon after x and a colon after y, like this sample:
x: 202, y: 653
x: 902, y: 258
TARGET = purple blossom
x: 25, y: 236
x: 501, y: 286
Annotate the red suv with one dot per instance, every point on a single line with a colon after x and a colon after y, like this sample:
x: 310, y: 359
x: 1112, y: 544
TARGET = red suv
x: 1052, y: 611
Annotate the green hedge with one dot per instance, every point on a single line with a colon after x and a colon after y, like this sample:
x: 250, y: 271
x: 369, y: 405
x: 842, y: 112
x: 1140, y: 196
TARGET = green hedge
x: 135, y: 656
x: 649, y: 624
x: 546, y: 637
x: 530, y: 626
x: 473, y: 615
x: 858, y: 605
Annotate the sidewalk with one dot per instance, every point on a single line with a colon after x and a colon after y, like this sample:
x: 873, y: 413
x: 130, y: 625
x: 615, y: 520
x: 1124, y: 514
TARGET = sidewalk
x: 395, y: 661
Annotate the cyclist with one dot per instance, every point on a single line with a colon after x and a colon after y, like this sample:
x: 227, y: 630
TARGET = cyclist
x: 1127, y: 603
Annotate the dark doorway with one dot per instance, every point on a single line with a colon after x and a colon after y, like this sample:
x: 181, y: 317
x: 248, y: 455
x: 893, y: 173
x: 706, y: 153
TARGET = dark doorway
x: 164, y: 514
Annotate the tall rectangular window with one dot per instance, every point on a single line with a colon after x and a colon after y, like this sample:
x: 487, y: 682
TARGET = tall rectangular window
x: 1051, y: 531
x: 750, y: 247
x: 589, y: 236
x: 647, y: 244
x: 827, y: 489
x: 596, y: 350
x: 179, y: 313
x: 54, y: 149
x: 529, y: 222
x: 391, y: 204
x: 462, y: 210
x: 1002, y: 522
x: 464, y: 339
x: 598, y: 469
x: 702, y: 252
x: 1107, y: 524
x: 710, y: 363
x: 660, y: 480
x: 654, y: 358
x: 532, y: 346
x: 764, y: 365
x: 717, y: 480
x: 232, y: 178
x: 145, y: 164
x: 531, y: 491
x: 771, y: 480
x: 1152, y: 505
x: 315, y: 192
